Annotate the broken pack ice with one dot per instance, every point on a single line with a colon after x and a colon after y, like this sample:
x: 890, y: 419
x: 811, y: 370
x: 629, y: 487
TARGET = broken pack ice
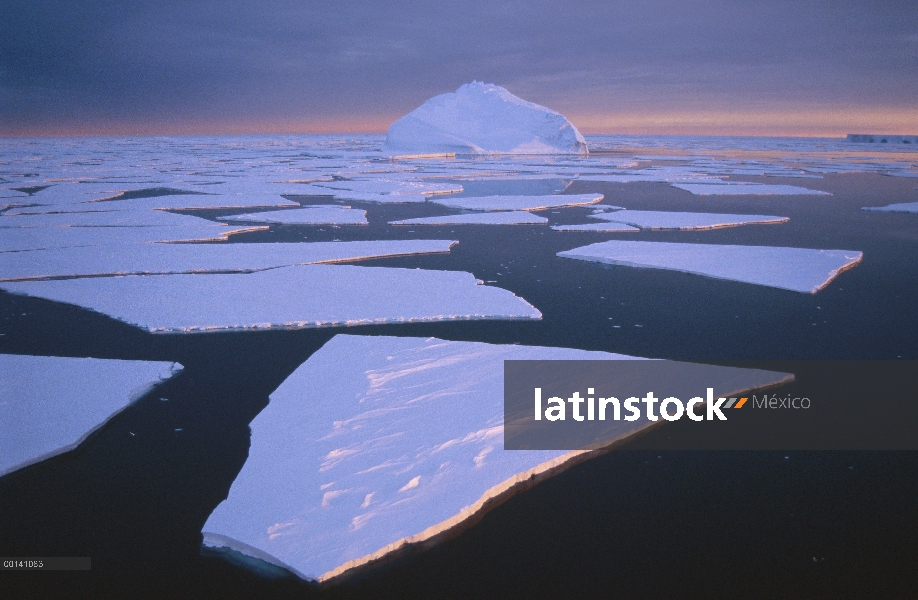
x: 49, y: 404
x: 498, y: 203
x: 148, y: 259
x: 687, y: 221
x: 376, y: 443
x: 288, y: 297
x: 488, y: 218
x: 796, y: 269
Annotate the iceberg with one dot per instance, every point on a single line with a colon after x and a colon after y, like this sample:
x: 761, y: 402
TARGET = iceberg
x: 377, y: 443
x: 909, y: 207
x: 489, y: 218
x: 686, y: 221
x: 498, y: 203
x: 481, y: 118
x: 313, y: 215
x: 160, y: 259
x: 50, y: 404
x: 288, y: 297
x: 796, y: 269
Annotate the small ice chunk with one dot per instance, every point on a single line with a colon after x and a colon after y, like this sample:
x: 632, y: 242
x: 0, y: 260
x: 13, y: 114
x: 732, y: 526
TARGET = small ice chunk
x: 148, y: 259
x: 797, y: 269
x: 489, y: 218
x: 481, y: 118
x: 407, y: 440
x: 603, y: 227
x: 743, y: 189
x: 651, y: 219
x: 313, y: 215
x: 288, y: 298
x: 49, y: 404
x: 909, y: 207
x: 498, y: 203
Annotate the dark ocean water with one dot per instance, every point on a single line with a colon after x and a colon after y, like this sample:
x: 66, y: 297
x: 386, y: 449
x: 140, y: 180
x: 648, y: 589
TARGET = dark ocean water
x: 636, y: 523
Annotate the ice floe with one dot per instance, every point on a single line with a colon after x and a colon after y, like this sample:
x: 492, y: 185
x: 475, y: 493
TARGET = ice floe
x: 909, y: 207
x: 797, y: 269
x: 394, y: 191
x: 121, y: 218
x: 480, y: 118
x: 651, y: 219
x: 488, y: 218
x: 17, y: 239
x: 287, y: 297
x: 375, y: 443
x: 608, y: 227
x: 743, y: 189
x: 49, y: 404
x: 313, y: 215
x: 183, y: 202
x: 147, y: 259
x: 498, y: 203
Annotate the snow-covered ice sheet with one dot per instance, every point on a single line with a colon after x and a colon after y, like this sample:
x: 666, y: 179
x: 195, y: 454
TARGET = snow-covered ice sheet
x: 608, y: 227
x: 49, y: 404
x: 498, y: 203
x: 743, y: 189
x: 122, y: 218
x: 288, y: 297
x: 488, y: 218
x: 17, y: 239
x: 314, y: 215
x: 652, y: 219
x: 797, y: 269
x: 145, y: 259
x: 481, y: 118
x: 377, y: 442
x: 909, y: 207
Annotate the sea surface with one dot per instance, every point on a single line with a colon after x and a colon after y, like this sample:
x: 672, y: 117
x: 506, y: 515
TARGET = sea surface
x: 811, y: 520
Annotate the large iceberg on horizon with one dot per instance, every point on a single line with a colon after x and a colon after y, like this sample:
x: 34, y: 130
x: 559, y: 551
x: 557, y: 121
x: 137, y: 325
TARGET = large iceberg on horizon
x: 481, y: 118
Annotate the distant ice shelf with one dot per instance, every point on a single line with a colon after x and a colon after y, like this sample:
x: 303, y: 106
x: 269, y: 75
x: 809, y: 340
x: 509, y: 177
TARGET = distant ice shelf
x: 743, y: 189
x: 288, y: 298
x: 909, y: 207
x: 488, y: 218
x: 314, y: 215
x: 796, y: 269
x: 498, y: 203
x: 50, y: 404
x: 480, y: 118
x: 148, y: 259
x: 377, y: 443
x: 651, y: 219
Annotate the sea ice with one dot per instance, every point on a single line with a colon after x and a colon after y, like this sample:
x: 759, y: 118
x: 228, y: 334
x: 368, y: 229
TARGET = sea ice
x: 488, y: 218
x: 909, y: 207
x: 651, y: 219
x: 313, y: 215
x: 288, y: 297
x: 378, y: 442
x: 149, y: 259
x: 17, y: 239
x: 49, y: 404
x: 183, y: 202
x: 797, y: 269
x: 122, y: 218
x: 608, y: 227
x: 742, y: 189
x: 480, y: 118
x: 498, y: 203
x: 382, y: 190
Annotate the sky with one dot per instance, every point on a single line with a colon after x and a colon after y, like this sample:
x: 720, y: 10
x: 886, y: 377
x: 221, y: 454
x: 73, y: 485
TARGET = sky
x: 758, y: 67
